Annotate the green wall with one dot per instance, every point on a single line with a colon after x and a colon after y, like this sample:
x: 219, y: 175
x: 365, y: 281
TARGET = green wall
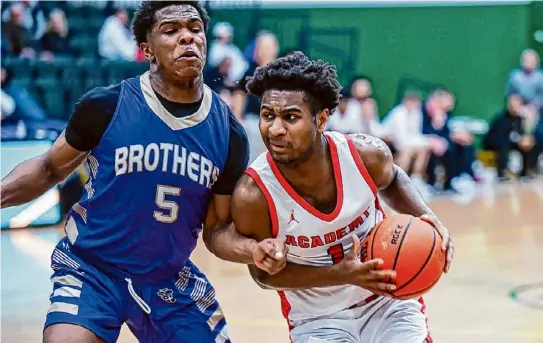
x: 470, y: 50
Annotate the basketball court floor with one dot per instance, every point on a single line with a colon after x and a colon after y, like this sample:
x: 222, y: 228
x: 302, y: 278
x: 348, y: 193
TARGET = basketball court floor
x: 493, y: 294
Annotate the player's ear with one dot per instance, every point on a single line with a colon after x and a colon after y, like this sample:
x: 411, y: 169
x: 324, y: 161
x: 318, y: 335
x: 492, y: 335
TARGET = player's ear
x: 147, y: 51
x: 322, y: 119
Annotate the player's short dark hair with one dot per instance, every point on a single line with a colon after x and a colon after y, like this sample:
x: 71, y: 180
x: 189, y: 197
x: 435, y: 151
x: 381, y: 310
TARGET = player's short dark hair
x: 144, y: 18
x: 316, y: 78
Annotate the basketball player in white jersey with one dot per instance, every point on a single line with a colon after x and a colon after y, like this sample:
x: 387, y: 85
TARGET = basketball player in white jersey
x: 318, y: 192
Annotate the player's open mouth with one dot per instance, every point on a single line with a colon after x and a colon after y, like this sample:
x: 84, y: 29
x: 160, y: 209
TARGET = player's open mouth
x: 188, y: 55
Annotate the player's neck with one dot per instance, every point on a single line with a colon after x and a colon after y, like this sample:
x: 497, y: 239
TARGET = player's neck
x: 184, y: 92
x: 313, y: 170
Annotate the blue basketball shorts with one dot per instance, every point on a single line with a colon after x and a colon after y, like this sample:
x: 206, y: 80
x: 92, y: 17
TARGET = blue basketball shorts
x: 183, y: 309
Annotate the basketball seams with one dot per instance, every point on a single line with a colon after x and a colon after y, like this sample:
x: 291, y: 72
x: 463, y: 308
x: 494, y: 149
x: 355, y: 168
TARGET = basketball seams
x: 401, y: 242
x: 422, y: 291
x: 423, y: 266
x: 373, y: 240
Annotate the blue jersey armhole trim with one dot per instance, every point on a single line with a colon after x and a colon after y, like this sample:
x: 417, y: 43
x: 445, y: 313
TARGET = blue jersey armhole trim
x: 121, y: 94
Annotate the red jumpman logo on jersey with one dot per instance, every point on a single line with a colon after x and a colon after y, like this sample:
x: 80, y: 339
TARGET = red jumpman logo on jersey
x: 292, y: 219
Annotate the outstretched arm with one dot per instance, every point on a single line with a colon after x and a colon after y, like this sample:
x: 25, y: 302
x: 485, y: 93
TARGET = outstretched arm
x: 252, y: 218
x: 395, y: 187
x: 32, y: 178
x: 90, y: 118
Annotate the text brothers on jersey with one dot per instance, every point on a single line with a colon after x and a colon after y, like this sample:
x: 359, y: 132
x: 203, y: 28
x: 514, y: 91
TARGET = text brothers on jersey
x: 136, y: 158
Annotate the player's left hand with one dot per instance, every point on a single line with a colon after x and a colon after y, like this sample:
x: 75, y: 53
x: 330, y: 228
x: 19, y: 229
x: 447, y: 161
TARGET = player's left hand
x: 270, y: 255
x: 447, y: 244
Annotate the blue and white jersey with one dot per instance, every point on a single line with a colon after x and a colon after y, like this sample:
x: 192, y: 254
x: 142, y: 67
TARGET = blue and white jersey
x: 151, y: 178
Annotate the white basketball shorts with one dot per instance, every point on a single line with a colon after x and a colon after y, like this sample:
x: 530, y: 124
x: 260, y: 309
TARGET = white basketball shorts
x: 383, y: 320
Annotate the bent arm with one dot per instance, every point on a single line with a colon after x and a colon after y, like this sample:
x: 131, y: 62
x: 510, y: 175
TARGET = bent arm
x: 221, y: 236
x: 296, y: 276
x: 394, y: 186
x: 32, y: 178
x: 252, y: 218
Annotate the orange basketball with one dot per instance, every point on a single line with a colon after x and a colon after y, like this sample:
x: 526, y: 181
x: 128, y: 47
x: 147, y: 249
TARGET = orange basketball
x: 412, y: 248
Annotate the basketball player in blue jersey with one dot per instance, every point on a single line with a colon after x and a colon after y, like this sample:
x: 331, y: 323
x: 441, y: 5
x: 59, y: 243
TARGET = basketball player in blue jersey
x: 165, y: 154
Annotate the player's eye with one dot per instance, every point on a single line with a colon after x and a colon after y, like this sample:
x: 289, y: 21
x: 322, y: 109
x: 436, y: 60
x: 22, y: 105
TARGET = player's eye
x: 170, y: 31
x: 196, y: 29
x: 267, y: 116
x: 291, y: 117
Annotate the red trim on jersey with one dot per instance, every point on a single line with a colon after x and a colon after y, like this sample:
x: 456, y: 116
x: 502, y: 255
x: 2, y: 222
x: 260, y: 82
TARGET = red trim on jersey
x: 361, y: 168
x: 423, y: 310
x: 271, y: 205
x: 337, y: 176
x: 379, y: 208
x: 285, y: 308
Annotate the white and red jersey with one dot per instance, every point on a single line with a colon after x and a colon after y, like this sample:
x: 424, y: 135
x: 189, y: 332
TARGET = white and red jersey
x: 315, y: 238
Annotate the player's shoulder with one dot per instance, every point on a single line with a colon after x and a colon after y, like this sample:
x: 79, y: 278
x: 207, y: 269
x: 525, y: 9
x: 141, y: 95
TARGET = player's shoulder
x: 101, y: 97
x: 371, y: 149
x: 248, y: 193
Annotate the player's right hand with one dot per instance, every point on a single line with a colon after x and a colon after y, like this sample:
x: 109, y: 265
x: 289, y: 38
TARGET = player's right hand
x: 366, y: 274
x: 270, y: 255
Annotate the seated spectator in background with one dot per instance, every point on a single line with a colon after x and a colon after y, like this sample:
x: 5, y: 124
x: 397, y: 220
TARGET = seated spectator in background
x: 223, y: 47
x: 115, y: 41
x: 19, y: 38
x: 7, y: 104
x: 508, y: 132
x: 527, y: 81
x: 362, y: 96
x: 25, y: 107
x: 361, y: 89
x: 31, y: 15
x: 55, y: 40
x: 404, y: 122
x: 246, y: 107
x: 217, y: 79
x: 371, y: 124
x: 454, y: 149
x: 347, y: 117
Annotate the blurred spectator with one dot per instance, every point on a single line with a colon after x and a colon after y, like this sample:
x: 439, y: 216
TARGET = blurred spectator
x: 31, y: 17
x: 527, y: 81
x: 55, y: 40
x: 454, y: 149
x: 19, y: 38
x: 347, y: 118
x: 361, y: 88
x: 115, y: 41
x: 371, y: 124
x: 217, y: 79
x: 25, y: 107
x: 513, y: 130
x: 404, y: 122
x: 7, y: 104
x: 223, y: 47
x: 362, y: 99
x: 247, y: 107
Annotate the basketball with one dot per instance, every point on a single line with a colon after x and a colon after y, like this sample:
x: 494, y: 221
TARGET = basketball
x: 412, y: 248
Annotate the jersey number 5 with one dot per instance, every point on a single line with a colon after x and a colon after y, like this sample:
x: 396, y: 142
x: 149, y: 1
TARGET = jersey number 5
x: 336, y: 253
x: 167, y: 205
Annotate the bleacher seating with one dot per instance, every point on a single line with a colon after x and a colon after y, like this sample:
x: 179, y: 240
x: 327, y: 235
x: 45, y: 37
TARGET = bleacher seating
x: 59, y: 84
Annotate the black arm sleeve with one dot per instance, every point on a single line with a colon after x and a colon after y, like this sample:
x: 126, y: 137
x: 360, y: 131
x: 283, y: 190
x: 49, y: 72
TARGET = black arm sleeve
x: 91, y: 117
x: 238, y: 158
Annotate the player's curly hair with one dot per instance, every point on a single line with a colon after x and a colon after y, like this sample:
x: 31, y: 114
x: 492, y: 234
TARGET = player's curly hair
x: 144, y: 18
x: 316, y: 78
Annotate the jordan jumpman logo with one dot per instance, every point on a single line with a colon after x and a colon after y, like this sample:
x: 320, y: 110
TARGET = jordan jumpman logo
x: 292, y: 218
